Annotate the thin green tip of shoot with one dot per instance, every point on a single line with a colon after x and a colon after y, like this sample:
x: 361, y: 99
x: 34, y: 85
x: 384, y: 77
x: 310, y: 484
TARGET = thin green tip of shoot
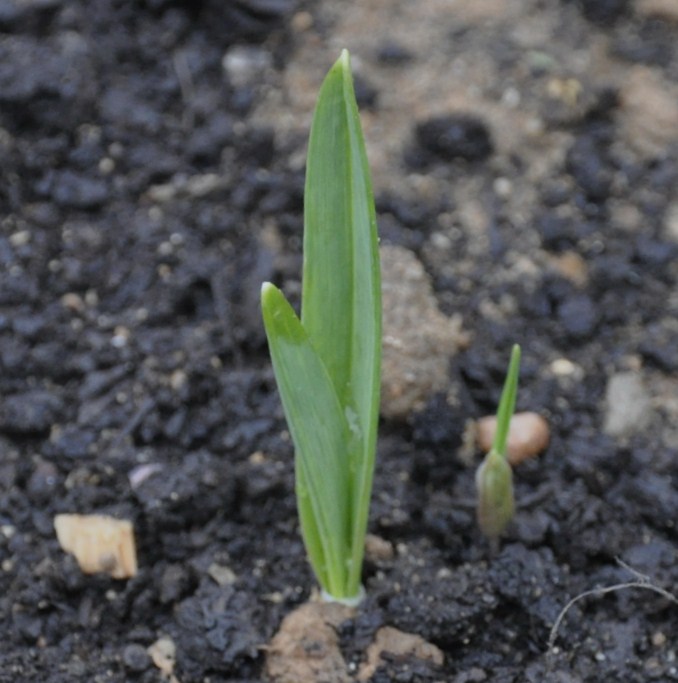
x: 507, y: 403
x: 494, y: 478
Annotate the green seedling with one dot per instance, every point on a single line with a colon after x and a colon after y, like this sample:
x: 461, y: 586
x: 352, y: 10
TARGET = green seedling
x: 327, y: 364
x: 494, y: 478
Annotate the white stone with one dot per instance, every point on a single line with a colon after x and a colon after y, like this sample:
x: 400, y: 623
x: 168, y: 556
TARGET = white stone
x: 628, y: 406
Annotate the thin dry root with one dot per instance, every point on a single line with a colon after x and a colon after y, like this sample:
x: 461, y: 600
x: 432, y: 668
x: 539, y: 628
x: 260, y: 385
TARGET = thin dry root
x: 641, y: 581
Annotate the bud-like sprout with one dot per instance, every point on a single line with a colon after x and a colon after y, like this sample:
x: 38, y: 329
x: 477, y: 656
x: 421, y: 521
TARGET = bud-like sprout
x: 494, y: 478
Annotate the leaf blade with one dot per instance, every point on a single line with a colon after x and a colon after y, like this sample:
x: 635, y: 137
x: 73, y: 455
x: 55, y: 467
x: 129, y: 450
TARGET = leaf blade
x: 319, y: 432
x: 507, y: 402
x: 341, y: 276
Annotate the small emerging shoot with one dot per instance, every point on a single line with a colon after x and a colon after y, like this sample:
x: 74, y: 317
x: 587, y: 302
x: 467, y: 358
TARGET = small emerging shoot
x: 494, y: 478
x: 327, y: 364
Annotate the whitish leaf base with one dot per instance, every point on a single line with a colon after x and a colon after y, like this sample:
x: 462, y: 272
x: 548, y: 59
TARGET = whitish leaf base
x: 349, y: 602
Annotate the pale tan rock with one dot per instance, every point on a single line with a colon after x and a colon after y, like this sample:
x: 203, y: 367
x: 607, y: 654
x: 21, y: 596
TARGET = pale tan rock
x: 378, y: 549
x: 306, y: 647
x: 626, y: 215
x: 567, y: 90
x: 571, y: 266
x: 73, y: 302
x: 418, y: 340
x: 660, y: 9
x: 302, y: 21
x: 528, y: 436
x: 399, y: 644
x: 100, y: 544
x: 649, y: 111
x: 671, y: 222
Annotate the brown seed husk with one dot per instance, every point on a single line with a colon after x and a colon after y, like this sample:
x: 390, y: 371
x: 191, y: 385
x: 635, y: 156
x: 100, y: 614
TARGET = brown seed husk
x: 528, y: 436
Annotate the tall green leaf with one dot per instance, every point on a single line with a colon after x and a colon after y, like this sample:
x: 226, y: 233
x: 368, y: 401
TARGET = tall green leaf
x: 328, y: 365
x: 341, y: 299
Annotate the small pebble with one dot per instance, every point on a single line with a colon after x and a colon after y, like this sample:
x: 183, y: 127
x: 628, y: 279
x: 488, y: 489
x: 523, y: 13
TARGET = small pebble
x: 572, y: 266
x: 106, y: 166
x: 143, y: 472
x: 658, y: 639
x: 302, y: 21
x: 628, y: 405
x: 503, y: 187
x: 528, y: 435
x: 20, y: 238
x: 221, y: 574
x: 163, y: 654
x: 378, y: 549
x: 562, y: 367
x: 120, y: 337
x: 648, y: 117
x: 73, y: 302
x: 245, y: 64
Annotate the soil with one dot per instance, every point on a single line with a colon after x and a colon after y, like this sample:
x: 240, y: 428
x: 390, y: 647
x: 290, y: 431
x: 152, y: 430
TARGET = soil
x: 151, y: 178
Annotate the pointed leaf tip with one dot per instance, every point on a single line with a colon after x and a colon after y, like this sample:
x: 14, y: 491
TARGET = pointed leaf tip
x: 515, y: 353
x: 267, y: 291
